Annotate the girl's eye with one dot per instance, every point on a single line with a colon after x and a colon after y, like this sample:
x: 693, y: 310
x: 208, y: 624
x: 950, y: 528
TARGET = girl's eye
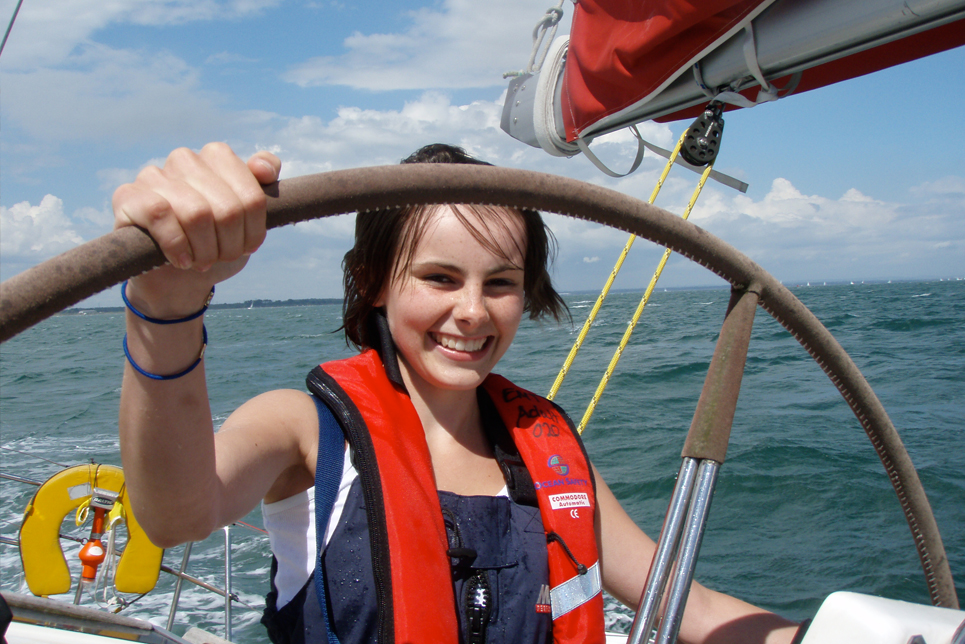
x: 438, y: 278
x: 502, y: 282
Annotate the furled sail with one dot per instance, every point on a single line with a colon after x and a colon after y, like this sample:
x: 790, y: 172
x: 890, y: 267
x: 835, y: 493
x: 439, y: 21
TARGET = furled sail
x: 628, y: 62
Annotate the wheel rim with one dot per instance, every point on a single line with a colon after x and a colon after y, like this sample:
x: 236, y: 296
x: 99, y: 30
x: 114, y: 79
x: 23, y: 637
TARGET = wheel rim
x: 67, y: 279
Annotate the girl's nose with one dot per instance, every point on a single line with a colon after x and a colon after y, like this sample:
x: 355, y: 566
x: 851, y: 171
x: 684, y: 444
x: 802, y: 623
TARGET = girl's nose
x: 470, y: 306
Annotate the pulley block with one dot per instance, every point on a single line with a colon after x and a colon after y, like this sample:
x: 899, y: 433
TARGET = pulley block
x: 702, y: 140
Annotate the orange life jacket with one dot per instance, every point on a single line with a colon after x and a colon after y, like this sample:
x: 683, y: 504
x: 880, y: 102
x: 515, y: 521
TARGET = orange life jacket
x: 405, y: 520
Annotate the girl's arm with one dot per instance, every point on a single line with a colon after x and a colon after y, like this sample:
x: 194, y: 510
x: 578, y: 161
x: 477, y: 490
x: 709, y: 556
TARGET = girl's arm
x: 709, y: 617
x: 206, y: 211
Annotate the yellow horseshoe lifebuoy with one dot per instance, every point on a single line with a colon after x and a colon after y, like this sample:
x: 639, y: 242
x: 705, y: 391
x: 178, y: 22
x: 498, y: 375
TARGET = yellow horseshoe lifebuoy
x: 44, y: 565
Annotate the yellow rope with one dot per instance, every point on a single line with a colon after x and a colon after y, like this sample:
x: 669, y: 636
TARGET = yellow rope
x: 636, y: 316
x: 609, y: 282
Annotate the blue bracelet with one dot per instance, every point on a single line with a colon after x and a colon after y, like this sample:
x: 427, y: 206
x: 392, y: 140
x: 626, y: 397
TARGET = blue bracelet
x: 148, y: 318
x: 154, y: 376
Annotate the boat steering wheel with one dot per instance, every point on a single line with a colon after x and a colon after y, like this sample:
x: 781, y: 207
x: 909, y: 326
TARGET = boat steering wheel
x: 97, y: 265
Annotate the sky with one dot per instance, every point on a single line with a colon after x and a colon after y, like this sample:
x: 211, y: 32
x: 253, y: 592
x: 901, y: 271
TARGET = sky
x: 863, y: 180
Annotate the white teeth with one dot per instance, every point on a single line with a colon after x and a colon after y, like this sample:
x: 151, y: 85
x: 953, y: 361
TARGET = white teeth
x: 459, y: 344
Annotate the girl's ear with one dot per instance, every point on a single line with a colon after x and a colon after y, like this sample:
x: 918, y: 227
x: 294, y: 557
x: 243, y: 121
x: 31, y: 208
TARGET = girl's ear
x: 379, y: 302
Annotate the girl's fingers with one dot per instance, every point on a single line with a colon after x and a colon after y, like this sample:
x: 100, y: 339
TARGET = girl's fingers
x: 180, y: 217
x: 137, y: 205
x: 202, y: 208
x: 265, y: 167
x: 215, y: 224
x: 209, y: 234
x: 235, y: 191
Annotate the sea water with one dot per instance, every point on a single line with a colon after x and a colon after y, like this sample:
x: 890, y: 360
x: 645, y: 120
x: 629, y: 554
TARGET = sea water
x: 803, y: 506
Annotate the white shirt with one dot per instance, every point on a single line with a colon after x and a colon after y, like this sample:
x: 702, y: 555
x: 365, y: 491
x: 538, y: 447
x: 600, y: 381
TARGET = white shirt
x: 291, y: 532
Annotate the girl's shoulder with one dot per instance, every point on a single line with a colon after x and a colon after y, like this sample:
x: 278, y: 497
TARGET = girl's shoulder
x: 279, y: 405
x: 279, y: 429
x: 281, y: 420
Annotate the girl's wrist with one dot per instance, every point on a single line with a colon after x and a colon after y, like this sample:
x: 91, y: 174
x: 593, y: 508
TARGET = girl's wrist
x: 164, y: 349
x: 171, y: 376
x: 170, y: 307
x: 166, y: 320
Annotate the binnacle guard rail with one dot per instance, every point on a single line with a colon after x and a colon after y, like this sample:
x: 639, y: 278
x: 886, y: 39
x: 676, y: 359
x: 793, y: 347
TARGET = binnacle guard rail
x: 75, y: 275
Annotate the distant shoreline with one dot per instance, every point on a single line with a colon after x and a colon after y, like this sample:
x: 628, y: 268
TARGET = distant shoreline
x: 248, y: 304
x: 271, y: 304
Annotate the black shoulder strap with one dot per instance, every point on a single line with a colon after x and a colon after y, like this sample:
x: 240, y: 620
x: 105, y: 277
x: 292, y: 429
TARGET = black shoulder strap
x: 328, y: 475
x: 519, y: 482
x: 323, y: 386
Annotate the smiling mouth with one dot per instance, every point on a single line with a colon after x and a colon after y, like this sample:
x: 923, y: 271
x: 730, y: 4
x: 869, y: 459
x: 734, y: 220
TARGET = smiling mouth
x: 467, y: 345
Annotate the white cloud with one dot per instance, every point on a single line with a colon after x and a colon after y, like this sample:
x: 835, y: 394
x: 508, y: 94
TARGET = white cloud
x: 121, y: 96
x: 946, y: 186
x: 100, y: 220
x: 36, y: 232
x: 46, y: 33
x: 363, y: 137
x: 799, y: 236
x: 61, y: 84
x: 785, y: 207
x: 461, y: 44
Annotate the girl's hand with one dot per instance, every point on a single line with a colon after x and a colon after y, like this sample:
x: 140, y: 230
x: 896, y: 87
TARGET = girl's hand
x: 206, y: 211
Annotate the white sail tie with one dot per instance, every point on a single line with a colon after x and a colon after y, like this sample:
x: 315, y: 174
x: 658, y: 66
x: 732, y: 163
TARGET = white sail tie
x: 767, y: 93
x: 584, y: 146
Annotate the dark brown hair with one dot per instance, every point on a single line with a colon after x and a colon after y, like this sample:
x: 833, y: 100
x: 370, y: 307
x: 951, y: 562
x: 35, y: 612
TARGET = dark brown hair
x: 385, y: 241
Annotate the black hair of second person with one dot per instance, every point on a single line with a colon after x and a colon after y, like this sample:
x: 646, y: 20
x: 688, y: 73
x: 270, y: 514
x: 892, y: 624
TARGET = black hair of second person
x: 381, y: 234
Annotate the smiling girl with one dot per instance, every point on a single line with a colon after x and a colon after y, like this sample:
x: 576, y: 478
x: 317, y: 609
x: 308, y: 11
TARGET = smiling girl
x: 463, y: 508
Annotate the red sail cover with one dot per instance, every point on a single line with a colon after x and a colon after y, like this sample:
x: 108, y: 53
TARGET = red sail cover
x: 621, y: 53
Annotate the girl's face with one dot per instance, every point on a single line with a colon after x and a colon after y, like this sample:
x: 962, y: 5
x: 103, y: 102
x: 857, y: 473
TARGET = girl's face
x: 455, y: 310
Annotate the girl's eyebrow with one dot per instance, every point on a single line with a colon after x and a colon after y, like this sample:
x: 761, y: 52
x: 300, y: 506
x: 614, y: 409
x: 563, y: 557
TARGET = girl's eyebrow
x: 456, y: 269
